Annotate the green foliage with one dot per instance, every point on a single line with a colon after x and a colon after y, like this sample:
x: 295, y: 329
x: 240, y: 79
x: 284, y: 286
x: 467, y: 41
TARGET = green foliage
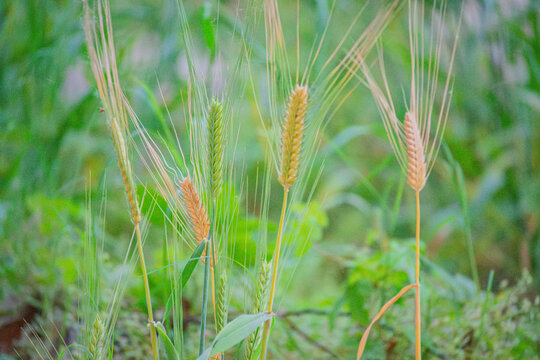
x: 234, y: 332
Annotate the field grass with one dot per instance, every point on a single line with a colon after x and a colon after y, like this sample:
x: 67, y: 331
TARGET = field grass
x: 175, y: 208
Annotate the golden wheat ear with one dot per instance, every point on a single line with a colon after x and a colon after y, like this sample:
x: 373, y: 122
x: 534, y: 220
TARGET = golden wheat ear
x: 197, y: 212
x: 416, y: 160
x: 292, y: 135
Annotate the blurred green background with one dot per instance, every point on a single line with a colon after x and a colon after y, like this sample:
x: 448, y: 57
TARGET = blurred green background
x: 484, y: 191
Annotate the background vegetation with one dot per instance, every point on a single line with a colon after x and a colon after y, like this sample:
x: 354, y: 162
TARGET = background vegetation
x: 58, y: 169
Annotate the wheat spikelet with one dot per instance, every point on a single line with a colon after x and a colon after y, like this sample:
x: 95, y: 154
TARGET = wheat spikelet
x: 94, y: 347
x: 215, y: 147
x: 197, y: 213
x: 222, y: 303
x: 261, y: 299
x: 416, y: 162
x: 292, y: 135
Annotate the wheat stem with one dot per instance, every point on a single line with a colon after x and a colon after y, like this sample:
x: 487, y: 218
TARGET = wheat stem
x: 147, y: 292
x: 204, y: 301
x: 417, y: 313
x: 275, y: 263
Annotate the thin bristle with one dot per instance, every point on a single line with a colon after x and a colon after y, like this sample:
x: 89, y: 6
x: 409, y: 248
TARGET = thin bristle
x: 197, y: 213
x: 292, y: 135
x: 416, y: 162
x: 215, y: 147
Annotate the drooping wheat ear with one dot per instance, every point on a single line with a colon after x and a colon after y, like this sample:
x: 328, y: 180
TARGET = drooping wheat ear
x: 215, y: 147
x: 416, y: 161
x: 261, y: 300
x: 222, y: 303
x: 197, y: 213
x: 292, y: 135
x: 94, y: 347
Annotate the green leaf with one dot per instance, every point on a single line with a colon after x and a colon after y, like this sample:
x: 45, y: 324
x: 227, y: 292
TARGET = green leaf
x: 170, y: 350
x: 153, y: 205
x: 192, y: 263
x: 234, y: 332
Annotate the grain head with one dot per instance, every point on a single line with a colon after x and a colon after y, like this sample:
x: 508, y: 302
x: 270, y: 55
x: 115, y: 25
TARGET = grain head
x: 416, y: 161
x: 292, y: 135
x: 197, y: 213
x: 215, y: 148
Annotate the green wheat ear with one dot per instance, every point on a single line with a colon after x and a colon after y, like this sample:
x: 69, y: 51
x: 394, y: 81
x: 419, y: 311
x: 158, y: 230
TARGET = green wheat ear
x: 94, y: 348
x: 222, y: 302
x: 215, y: 147
x: 261, y: 300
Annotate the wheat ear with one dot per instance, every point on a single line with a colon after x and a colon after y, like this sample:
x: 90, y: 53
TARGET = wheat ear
x: 261, y: 295
x: 291, y: 147
x: 94, y: 347
x: 196, y: 211
x: 292, y: 135
x: 416, y: 160
x: 222, y: 302
x: 215, y: 147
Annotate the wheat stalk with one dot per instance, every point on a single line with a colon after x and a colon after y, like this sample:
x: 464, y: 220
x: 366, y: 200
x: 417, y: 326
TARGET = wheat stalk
x: 103, y: 63
x: 415, y: 141
x: 201, y: 228
x: 291, y: 146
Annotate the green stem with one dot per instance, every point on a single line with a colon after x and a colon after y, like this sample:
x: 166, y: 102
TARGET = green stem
x: 205, y: 296
x: 209, y: 253
x: 266, y: 332
x: 147, y: 292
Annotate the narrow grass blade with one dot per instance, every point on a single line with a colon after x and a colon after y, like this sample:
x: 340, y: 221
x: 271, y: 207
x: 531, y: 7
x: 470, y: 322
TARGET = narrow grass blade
x: 170, y: 350
x: 192, y: 263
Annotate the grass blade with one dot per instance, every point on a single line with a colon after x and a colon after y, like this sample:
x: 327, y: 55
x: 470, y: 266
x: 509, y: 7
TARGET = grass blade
x: 192, y: 263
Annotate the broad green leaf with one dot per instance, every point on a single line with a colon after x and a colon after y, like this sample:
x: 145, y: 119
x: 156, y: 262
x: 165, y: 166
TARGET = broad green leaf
x: 170, y: 350
x: 237, y: 330
x: 234, y: 332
